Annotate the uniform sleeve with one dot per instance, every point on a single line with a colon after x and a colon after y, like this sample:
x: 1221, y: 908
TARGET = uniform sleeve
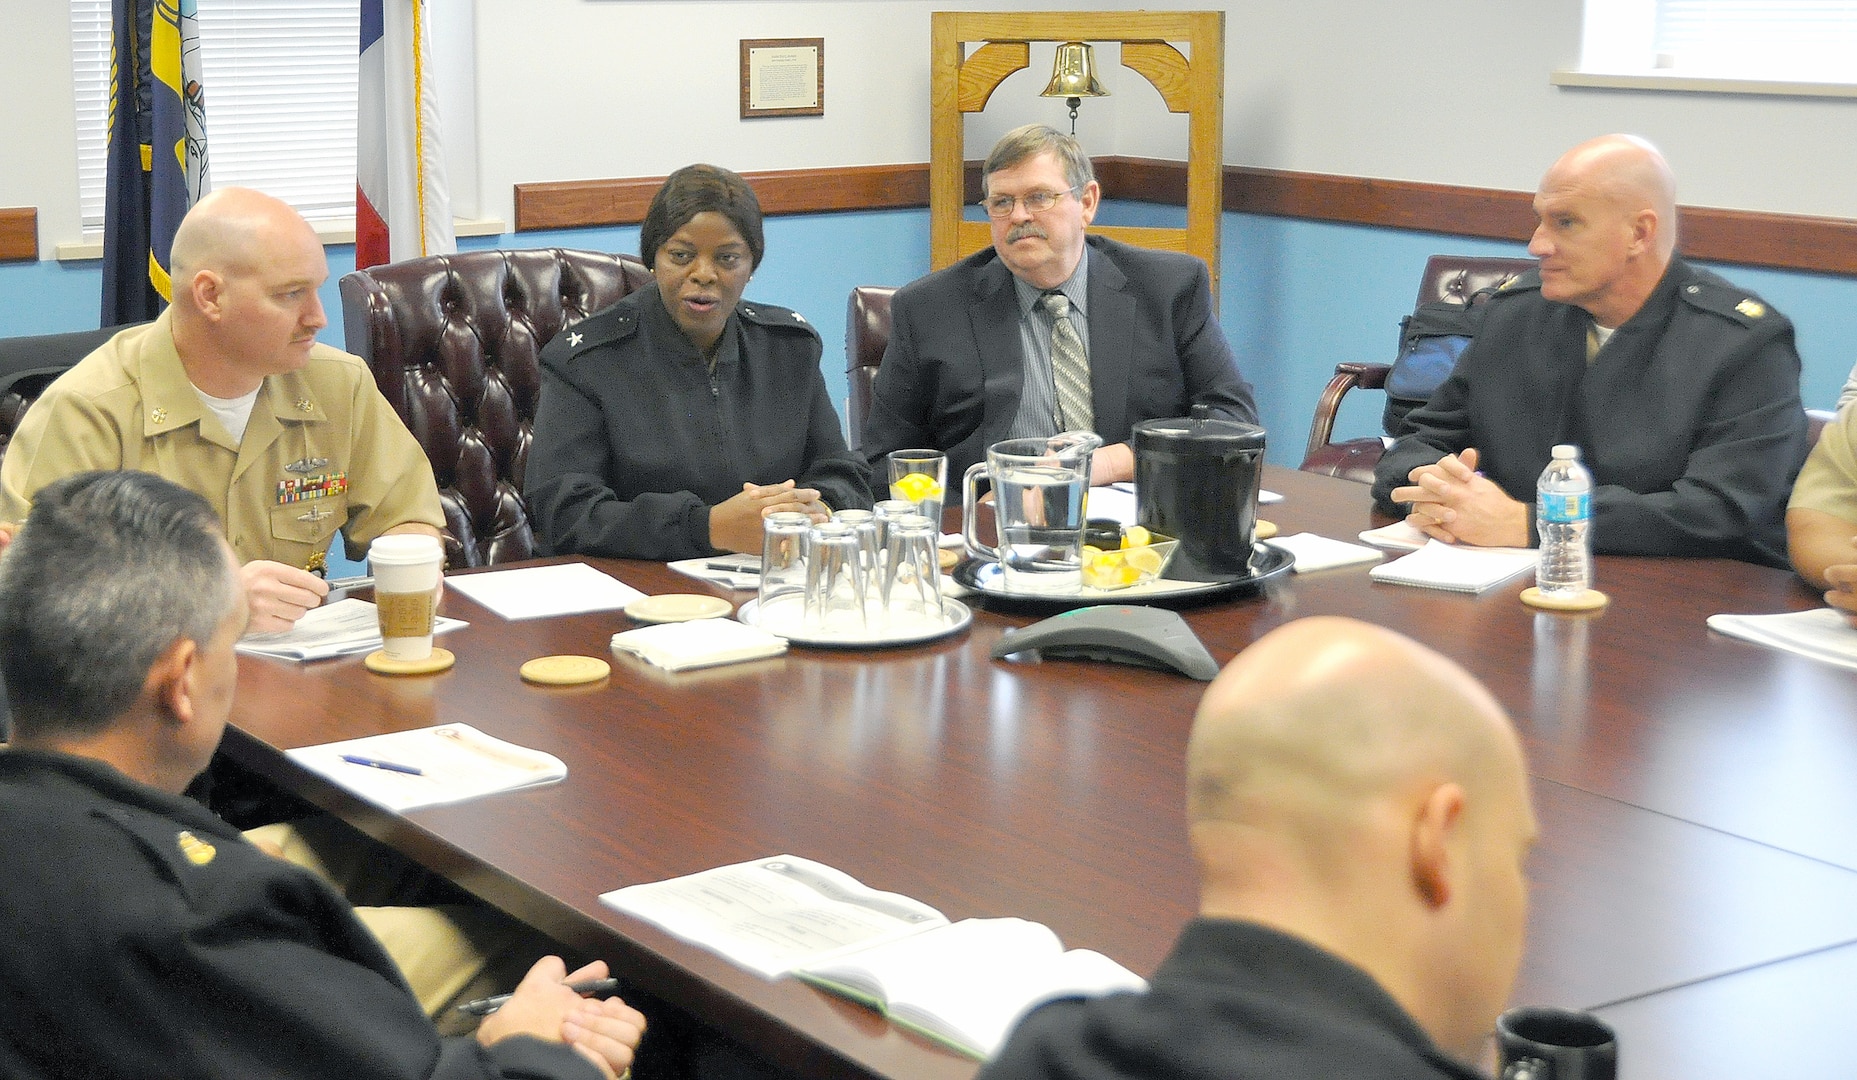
x: 837, y: 473
x: 1730, y: 500
x: 61, y: 434
x: 223, y: 971
x: 1211, y: 372
x: 1828, y: 483
x: 576, y: 511
x: 1440, y: 426
x: 390, y: 481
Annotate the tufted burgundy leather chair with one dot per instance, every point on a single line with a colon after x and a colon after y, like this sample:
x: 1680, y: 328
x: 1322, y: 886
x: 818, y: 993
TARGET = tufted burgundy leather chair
x: 867, y: 334
x: 1447, y: 277
x: 29, y: 364
x: 454, y: 342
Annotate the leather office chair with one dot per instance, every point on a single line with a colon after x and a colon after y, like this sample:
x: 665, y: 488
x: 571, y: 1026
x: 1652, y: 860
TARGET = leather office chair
x: 454, y: 342
x: 29, y: 364
x: 867, y: 335
x: 1447, y: 277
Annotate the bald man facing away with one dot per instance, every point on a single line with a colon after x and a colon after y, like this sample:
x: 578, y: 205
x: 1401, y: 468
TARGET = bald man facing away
x: 1681, y: 390
x: 1359, y: 811
x: 228, y: 394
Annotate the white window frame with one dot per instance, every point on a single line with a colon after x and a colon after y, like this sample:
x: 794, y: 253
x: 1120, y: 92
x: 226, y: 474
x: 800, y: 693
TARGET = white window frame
x: 1619, y: 48
x: 300, y: 148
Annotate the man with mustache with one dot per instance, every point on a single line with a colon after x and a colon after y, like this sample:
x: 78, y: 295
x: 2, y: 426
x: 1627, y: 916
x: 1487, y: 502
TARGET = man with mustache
x: 1049, y: 330
x: 228, y: 394
x: 1681, y: 390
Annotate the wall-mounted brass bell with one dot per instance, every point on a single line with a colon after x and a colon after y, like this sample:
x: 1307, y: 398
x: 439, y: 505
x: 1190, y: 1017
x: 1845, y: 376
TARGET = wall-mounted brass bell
x: 1073, y: 77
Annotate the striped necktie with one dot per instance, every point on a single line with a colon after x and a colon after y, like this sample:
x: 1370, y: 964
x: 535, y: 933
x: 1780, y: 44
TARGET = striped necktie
x: 1070, y: 368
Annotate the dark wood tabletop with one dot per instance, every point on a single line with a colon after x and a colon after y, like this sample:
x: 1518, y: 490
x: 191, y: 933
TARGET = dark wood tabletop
x: 1696, y: 881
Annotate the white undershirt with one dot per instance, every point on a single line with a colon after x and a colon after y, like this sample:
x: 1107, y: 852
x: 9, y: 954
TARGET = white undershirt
x: 234, y: 413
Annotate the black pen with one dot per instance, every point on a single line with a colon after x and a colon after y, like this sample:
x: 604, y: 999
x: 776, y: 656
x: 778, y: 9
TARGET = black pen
x: 486, y: 1006
x: 733, y: 568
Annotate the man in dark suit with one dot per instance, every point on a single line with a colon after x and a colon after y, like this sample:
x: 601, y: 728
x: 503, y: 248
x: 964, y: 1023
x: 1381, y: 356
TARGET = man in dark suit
x: 1031, y: 337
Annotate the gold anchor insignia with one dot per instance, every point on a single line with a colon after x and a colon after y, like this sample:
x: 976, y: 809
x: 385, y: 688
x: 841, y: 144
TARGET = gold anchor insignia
x: 1753, y: 309
x: 198, y: 851
x: 159, y: 416
x: 305, y: 405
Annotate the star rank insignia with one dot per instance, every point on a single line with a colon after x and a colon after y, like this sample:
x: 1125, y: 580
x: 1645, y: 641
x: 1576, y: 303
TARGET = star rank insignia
x: 1752, y: 308
x: 198, y: 851
x: 573, y: 339
x: 798, y: 318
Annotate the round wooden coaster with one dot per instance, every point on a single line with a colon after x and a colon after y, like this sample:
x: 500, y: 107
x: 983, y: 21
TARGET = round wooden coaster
x: 678, y: 607
x: 1265, y: 529
x: 949, y: 558
x: 1590, y: 600
x: 381, y: 664
x: 565, y: 670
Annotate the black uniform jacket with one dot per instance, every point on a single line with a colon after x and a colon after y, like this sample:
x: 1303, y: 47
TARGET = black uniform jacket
x: 953, y: 372
x: 1689, y: 418
x: 143, y: 937
x: 1236, y: 1001
x: 636, y: 437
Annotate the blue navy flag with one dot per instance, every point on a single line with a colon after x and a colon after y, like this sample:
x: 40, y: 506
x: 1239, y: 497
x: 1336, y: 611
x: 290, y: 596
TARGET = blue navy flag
x: 156, y: 163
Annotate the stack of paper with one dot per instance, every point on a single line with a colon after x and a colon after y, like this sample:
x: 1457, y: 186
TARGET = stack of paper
x: 1822, y: 634
x: 538, y: 591
x: 698, y: 643
x: 1313, y: 552
x: 406, y: 770
x: 339, y: 629
x: 1456, y: 567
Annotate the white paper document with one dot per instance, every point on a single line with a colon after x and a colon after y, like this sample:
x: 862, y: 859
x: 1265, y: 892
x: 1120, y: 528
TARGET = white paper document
x: 1821, y: 633
x: 536, y: 592
x: 728, y: 571
x: 343, y: 628
x: 773, y: 915
x: 1312, y: 551
x: 1398, y: 536
x: 1456, y: 567
x: 431, y: 766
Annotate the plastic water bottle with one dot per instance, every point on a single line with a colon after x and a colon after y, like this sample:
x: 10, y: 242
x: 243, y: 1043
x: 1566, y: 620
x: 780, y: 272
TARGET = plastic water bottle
x: 1563, y: 514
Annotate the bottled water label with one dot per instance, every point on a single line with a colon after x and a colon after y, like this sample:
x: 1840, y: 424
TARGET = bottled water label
x: 1563, y: 508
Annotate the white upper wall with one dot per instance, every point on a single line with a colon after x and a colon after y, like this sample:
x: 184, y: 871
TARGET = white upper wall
x: 1454, y: 94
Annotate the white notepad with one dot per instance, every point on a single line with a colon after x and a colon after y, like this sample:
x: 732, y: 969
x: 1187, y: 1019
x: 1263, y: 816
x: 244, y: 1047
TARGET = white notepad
x: 453, y: 762
x: 343, y: 628
x: 534, y: 592
x: 1456, y: 567
x: 1822, y: 633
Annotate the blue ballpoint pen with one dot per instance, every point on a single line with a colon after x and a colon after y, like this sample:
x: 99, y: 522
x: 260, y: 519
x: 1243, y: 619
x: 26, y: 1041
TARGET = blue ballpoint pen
x: 390, y: 766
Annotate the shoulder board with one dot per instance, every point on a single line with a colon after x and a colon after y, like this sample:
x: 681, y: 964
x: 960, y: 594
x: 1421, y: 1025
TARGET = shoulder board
x: 1526, y: 281
x: 774, y: 317
x: 1719, y: 297
x: 613, y: 324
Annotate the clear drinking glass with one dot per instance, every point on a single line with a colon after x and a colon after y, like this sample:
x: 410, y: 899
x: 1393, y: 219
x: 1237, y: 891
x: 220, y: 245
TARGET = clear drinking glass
x: 865, y: 522
x: 836, y: 584
x: 912, y: 571
x: 784, y: 538
x: 920, y: 476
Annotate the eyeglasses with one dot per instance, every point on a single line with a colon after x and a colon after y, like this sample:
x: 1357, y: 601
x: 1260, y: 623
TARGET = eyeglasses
x: 1035, y: 202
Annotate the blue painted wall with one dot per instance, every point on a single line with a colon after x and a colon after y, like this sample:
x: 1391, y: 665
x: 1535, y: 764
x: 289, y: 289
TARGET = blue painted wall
x: 1296, y: 297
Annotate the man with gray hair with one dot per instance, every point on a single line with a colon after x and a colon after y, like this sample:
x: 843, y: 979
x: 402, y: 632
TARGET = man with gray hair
x: 1358, y: 807
x: 1681, y: 390
x: 1049, y: 329
x: 142, y: 932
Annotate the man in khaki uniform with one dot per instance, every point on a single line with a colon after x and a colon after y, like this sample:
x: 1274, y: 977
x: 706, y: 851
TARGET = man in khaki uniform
x: 1821, y: 518
x: 229, y: 394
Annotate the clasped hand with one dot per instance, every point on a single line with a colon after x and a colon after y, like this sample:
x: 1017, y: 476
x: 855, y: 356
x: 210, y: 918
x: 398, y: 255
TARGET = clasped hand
x: 1450, y: 501
x: 735, y: 524
x: 544, y: 1006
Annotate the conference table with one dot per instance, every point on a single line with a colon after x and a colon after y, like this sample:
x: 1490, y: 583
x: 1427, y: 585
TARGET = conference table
x: 1696, y: 880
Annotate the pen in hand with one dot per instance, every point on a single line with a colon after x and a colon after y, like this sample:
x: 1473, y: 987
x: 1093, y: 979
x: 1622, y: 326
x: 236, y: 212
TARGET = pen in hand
x: 486, y: 1006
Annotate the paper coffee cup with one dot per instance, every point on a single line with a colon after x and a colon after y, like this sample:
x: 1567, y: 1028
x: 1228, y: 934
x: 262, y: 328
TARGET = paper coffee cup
x: 406, y: 569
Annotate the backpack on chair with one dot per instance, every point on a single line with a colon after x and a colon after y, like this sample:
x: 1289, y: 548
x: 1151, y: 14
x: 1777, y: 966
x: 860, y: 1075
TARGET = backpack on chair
x: 1430, y: 341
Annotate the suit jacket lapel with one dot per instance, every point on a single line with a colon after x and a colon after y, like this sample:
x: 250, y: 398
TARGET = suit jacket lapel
x: 995, y: 321
x: 1112, y: 342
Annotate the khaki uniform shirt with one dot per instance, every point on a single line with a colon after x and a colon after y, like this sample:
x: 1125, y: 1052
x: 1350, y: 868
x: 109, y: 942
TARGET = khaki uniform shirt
x: 1828, y: 483
x: 322, y: 450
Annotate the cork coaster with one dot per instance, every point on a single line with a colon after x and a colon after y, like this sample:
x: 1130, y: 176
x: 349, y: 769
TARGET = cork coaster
x: 948, y: 557
x: 1265, y: 529
x: 1590, y: 600
x: 565, y: 670
x: 381, y: 664
x: 677, y: 607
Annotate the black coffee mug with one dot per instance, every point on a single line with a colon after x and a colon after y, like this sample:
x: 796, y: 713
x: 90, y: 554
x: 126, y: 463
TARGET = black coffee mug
x: 1555, y: 1044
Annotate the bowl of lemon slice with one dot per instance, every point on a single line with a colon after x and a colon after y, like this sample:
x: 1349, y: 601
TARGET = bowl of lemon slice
x: 1138, y: 557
